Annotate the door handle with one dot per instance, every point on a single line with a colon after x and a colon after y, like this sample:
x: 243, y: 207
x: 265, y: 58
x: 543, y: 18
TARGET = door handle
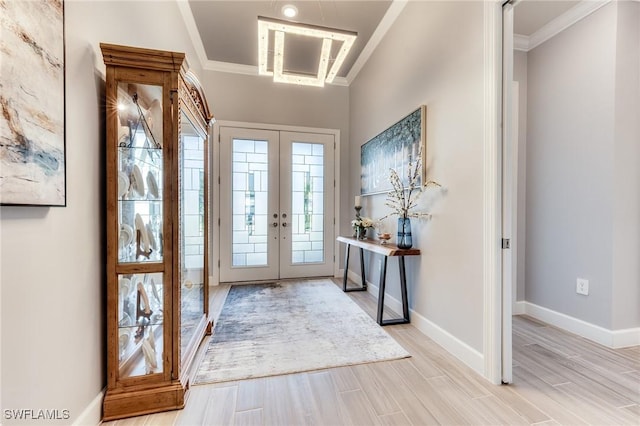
x: 284, y: 224
x: 274, y: 224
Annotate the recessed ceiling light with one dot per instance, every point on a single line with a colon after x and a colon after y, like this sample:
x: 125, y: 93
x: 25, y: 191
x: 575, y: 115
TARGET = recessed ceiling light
x: 289, y: 10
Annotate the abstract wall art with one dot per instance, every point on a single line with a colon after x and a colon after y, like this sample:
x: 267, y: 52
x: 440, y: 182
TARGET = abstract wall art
x: 32, y: 109
x: 393, y: 149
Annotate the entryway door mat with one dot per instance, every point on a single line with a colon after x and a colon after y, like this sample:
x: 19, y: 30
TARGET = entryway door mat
x: 290, y: 327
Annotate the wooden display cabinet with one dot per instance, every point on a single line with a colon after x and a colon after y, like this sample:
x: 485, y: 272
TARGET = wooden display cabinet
x: 158, y: 122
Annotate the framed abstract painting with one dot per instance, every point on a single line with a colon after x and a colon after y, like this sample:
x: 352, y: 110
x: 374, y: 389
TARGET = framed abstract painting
x: 32, y: 106
x: 394, y: 148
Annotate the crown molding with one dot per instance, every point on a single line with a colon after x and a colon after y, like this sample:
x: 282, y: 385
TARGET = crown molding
x: 192, y: 29
x: 557, y: 25
x: 385, y: 23
x: 233, y: 68
x: 230, y: 67
x: 340, y: 81
x: 521, y: 42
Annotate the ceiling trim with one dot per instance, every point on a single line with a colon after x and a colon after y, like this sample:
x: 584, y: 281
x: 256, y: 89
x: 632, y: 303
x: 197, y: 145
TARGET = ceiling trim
x: 234, y: 68
x: 230, y: 67
x: 192, y: 29
x: 557, y: 25
x: 385, y: 23
x: 521, y: 42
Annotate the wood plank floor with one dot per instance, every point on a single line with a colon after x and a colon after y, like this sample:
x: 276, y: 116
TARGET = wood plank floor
x: 559, y: 378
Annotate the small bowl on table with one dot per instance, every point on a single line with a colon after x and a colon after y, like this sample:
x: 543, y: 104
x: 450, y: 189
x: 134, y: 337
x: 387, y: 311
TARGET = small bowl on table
x: 384, y: 237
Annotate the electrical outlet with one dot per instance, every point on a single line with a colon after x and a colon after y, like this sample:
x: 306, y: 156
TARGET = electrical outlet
x: 582, y: 286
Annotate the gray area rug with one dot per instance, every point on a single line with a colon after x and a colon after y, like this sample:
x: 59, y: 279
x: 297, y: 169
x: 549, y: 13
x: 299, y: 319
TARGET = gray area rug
x: 281, y: 328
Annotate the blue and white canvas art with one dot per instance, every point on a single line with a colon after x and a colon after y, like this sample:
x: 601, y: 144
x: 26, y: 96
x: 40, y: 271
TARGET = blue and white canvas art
x: 394, y: 148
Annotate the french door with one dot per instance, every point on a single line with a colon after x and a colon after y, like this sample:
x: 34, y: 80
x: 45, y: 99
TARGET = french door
x: 276, y: 204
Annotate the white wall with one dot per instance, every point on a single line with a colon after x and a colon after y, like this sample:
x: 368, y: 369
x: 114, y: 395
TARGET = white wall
x: 626, y: 179
x: 433, y: 55
x: 52, y: 274
x: 582, y: 170
x: 520, y: 75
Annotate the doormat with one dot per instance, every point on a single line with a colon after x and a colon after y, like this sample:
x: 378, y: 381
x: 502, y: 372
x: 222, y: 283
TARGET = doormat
x: 282, y: 328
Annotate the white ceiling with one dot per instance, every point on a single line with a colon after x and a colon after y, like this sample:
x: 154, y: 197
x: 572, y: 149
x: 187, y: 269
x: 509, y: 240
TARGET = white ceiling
x: 228, y: 29
x: 531, y: 15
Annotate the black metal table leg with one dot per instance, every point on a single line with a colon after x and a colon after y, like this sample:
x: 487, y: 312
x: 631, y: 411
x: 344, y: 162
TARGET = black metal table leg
x: 346, y: 272
x: 346, y: 268
x: 363, y: 280
x: 383, y: 282
x: 403, y: 289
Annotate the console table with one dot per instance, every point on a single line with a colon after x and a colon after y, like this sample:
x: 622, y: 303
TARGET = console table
x: 386, y: 250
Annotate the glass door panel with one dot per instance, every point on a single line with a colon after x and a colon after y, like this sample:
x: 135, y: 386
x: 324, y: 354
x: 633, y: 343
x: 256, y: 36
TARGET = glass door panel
x: 249, y: 223
x: 250, y: 189
x: 307, y: 194
x: 192, y: 229
x: 307, y: 203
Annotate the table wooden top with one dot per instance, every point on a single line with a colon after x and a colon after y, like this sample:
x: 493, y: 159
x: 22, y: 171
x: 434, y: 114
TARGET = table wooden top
x: 375, y: 246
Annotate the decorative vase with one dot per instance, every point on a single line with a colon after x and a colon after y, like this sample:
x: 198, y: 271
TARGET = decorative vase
x: 361, y: 232
x: 404, y: 240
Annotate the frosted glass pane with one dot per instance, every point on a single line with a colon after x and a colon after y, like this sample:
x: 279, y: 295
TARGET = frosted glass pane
x: 303, y: 149
x: 297, y: 202
x: 241, y: 237
x: 313, y: 160
x: 261, y: 147
x: 307, y: 195
x: 316, y: 171
x: 256, y: 259
x: 313, y: 256
x: 243, y: 145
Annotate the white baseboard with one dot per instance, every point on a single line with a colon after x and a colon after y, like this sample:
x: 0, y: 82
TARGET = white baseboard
x: 354, y: 277
x: 92, y: 415
x: 610, y: 338
x: 452, y: 344
x: 518, y: 308
x: 626, y: 337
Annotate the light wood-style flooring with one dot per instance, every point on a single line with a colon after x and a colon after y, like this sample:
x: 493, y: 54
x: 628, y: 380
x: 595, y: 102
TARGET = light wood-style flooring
x: 559, y: 378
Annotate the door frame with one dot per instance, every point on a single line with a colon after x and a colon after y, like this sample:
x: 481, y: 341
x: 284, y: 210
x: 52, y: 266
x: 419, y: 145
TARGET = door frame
x: 214, y: 234
x: 493, y: 315
x: 509, y: 189
x: 499, y: 270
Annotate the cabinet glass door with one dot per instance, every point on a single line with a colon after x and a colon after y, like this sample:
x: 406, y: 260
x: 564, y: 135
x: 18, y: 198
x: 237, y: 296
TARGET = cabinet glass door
x: 140, y: 173
x: 140, y: 219
x: 140, y: 320
x: 192, y: 229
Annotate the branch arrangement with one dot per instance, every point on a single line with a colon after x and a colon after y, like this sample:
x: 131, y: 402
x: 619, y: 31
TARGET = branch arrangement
x: 403, y: 199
